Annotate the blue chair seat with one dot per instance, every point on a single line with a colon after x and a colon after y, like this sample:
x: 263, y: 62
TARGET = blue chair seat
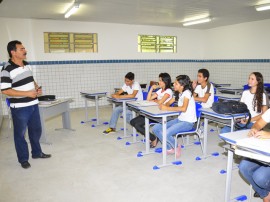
x: 194, y: 130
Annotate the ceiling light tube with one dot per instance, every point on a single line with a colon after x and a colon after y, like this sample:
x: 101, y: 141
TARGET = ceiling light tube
x: 72, y: 10
x: 262, y: 7
x: 199, y: 21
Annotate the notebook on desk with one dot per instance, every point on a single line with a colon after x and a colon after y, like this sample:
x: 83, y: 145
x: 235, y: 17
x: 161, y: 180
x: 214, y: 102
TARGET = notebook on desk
x: 145, y: 103
x: 261, y: 146
x: 48, y: 102
x: 251, y: 154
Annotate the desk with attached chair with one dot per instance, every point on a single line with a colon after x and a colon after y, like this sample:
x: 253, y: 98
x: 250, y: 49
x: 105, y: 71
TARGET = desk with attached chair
x: 122, y: 101
x: 209, y: 114
x: 153, y: 112
x: 243, y: 146
x: 94, y: 96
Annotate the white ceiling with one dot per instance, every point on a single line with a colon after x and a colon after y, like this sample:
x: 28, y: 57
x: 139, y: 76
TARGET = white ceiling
x: 140, y: 12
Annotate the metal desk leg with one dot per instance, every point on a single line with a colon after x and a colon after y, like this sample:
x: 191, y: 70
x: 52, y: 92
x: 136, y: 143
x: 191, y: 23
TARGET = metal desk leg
x: 229, y: 176
x: 164, y: 142
x: 125, y: 121
x: 232, y: 125
x: 134, y: 132
x: 147, y: 143
x: 97, y: 115
x: 205, y: 134
x: 164, y: 145
x: 66, y: 120
x: 125, y: 118
x: 86, y: 109
x: 43, y: 138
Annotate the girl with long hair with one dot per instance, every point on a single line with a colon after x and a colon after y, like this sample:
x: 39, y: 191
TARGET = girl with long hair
x: 163, y: 95
x: 255, y: 98
x: 186, y: 119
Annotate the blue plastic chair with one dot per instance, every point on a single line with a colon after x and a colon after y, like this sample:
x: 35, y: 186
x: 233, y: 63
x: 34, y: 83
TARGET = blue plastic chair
x: 215, y: 98
x: 194, y: 130
x: 215, y: 90
x: 145, y: 95
x: 246, y: 87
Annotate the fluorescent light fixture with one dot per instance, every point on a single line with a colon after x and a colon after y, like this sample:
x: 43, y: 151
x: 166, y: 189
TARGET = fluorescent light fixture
x: 72, y: 9
x: 262, y: 7
x: 199, y: 21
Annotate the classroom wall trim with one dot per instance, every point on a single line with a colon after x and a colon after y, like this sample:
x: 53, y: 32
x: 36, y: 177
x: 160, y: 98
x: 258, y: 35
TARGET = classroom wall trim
x: 67, y: 78
x: 144, y: 61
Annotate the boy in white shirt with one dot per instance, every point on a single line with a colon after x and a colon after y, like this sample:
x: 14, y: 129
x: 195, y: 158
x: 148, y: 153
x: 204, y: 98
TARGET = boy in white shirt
x: 133, y: 90
x: 204, y: 90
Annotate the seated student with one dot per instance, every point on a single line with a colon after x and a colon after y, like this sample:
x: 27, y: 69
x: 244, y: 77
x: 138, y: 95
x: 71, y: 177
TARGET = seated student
x: 255, y: 98
x: 133, y: 90
x: 163, y: 95
x: 187, y: 117
x: 257, y: 173
x: 204, y: 90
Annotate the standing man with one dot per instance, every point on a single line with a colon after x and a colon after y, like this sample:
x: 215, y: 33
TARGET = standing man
x: 18, y: 84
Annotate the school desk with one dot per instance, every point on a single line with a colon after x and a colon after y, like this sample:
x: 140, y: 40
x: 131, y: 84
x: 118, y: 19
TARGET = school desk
x: 94, y: 96
x: 209, y: 114
x: 51, y: 109
x: 244, y: 146
x: 122, y: 101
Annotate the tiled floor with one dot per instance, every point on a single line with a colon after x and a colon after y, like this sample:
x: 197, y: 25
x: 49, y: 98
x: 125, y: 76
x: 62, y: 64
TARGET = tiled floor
x: 87, y: 166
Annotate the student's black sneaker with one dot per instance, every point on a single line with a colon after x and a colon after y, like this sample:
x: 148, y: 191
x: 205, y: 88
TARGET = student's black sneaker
x: 25, y: 164
x: 256, y: 195
x: 109, y: 130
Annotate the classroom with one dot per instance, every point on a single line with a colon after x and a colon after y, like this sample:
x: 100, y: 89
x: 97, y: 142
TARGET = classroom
x: 85, y: 164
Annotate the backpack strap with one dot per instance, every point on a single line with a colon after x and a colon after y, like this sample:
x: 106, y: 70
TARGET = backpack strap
x: 237, y: 125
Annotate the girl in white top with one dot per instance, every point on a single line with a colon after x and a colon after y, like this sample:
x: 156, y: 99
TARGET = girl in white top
x: 163, y: 95
x: 255, y: 98
x: 187, y: 118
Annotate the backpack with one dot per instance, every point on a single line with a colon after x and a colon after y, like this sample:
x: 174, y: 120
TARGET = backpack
x: 232, y: 107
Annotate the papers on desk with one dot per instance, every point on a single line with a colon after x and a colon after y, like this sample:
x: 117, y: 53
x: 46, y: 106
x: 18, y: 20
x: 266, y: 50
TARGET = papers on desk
x: 93, y: 93
x: 146, y: 103
x: 252, y: 155
x: 48, y: 102
x: 261, y: 146
x: 249, y: 147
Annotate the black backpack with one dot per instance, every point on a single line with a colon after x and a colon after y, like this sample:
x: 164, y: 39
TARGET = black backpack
x: 232, y: 107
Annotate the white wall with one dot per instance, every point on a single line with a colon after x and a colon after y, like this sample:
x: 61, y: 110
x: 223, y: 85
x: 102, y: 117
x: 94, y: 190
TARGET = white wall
x: 115, y: 41
x: 242, y: 41
x: 119, y: 41
x: 15, y: 29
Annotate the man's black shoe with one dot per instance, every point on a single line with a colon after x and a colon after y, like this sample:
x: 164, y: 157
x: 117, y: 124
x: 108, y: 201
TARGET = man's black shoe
x: 42, y: 156
x: 256, y: 195
x: 25, y: 164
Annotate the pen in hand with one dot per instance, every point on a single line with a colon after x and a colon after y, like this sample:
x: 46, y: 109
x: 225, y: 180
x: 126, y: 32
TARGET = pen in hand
x: 39, y: 91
